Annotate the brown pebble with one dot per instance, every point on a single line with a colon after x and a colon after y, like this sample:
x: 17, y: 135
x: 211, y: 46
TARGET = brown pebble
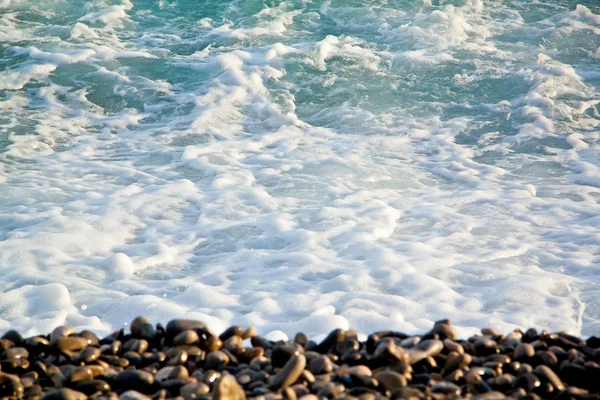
x: 391, y: 380
x: 457, y: 361
x: 136, y: 345
x: 308, y: 397
x: 186, y: 338
x: 89, y: 354
x: 79, y: 374
x: 92, y: 386
x: 11, y: 386
x: 320, y: 365
x: 233, y: 342
x: 63, y: 394
x: 227, y: 388
x: 546, y: 374
x: 176, y: 356
x: 425, y: 349
x: 137, y: 380
x: 16, y: 352
x: 193, y: 390
x: 61, y: 331
x: 360, y: 370
x: 71, y: 343
x: 171, y: 372
x: 133, y: 395
x: 141, y: 328
x: 288, y: 375
x: 491, y: 332
x: 216, y: 359
x: 176, y: 326
x: 523, y: 352
x: 444, y: 330
x: 447, y: 388
x: 387, y: 349
x: 249, y: 333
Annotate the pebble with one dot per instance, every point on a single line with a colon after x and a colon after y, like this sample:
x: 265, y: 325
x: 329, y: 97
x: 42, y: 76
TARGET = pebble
x: 71, y: 343
x: 227, y: 388
x: 171, y: 372
x: 523, y: 352
x: 216, y: 360
x: 320, y: 365
x: 387, y: 349
x: 141, y: 328
x: 391, y: 380
x: 187, y: 337
x: 136, y: 345
x: 63, y: 394
x: 133, y: 395
x: 290, y: 373
x: 194, y: 390
x: 138, y: 380
x: 176, y: 326
x: 93, y: 386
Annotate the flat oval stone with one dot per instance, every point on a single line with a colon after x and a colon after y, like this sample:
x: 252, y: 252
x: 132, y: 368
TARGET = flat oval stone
x: 360, y: 370
x: 444, y: 330
x: 13, y: 336
x: 233, y: 343
x: 194, y: 390
x: 186, y: 338
x: 16, y: 352
x: 425, y: 348
x: 528, y: 382
x: 137, y: 380
x: 141, y: 328
x: 249, y: 333
x: 171, y: 372
x: 63, y: 394
x: 11, y: 385
x: 92, y: 386
x: 447, y: 388
x: 61, y: 331
x: 227, y: 388
x: 451, y: 345
x: 78, y: 374
x: 36, y: 342
x: 387, y: 349
x: 231, y: 331
x: 334, y: 337
x: 137, y: 345
x: 320, y: 365
x: 391, y: 380
x: 176, y: 357
x: 133, y: 395
x: 290, y: 373
x: 457, y: 361
x: 91, y: 337
x: 71, y: 343
x: 176, y: 326
x: 89, y: 354
x: 280, y: 355
x: 215, y: 360
x: 523, y: 352
x: 549, y: 376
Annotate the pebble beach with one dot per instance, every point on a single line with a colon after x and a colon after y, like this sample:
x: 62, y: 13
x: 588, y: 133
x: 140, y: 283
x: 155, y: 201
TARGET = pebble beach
x: 186, y: 360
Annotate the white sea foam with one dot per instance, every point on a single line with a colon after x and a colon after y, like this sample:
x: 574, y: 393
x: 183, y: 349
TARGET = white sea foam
x: 300, y: 167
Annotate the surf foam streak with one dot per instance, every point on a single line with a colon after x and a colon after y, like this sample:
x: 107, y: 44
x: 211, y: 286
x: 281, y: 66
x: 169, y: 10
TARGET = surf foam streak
x: 303, y: 166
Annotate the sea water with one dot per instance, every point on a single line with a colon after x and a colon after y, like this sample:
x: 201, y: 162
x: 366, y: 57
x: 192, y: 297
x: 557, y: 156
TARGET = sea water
x: 300, y: 165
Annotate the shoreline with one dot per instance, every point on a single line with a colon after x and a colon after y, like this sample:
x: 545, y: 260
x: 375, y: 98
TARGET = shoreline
x: 185, y: 360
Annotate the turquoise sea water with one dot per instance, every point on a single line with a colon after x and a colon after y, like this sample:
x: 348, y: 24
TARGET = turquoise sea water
x: 300, y: 164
